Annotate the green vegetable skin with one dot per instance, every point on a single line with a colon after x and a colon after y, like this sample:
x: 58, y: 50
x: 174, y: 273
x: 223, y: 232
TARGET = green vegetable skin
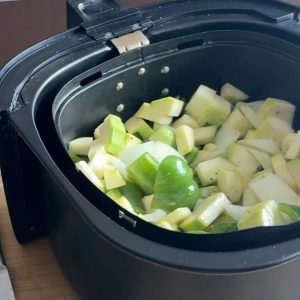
x: 174, y: 185
x: 292, y: 211
x: 188, y: 185
x: 143, y: 172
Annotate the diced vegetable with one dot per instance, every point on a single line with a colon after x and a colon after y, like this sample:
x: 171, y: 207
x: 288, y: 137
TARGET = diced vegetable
x: 277, y: 108
x: 81, y: 146
x: 112, y: 178
x: 113, y: 134
x: 232, y: 93
x: 205, y: 213
x: 86, y: 170
x: 281, y: 170
x: 262, y: 214
x: 270, y: 186
x: 164, y: 134
x: 174, y: 185
x: 138, y: 125
x: 207, y: 171
x: 185, y: 141
x: 143, y: 172
x: 230, y: 183
x: 205, y: 135
x: 273, y: 128
x: 184, y: 174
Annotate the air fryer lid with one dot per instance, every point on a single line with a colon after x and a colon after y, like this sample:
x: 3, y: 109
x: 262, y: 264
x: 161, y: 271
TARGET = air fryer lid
x: 220, y: 40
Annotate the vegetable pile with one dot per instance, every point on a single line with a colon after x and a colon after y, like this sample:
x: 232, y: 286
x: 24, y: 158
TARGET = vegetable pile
x: 216, y: 164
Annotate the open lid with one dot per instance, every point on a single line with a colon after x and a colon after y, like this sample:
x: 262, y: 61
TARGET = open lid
x: 48, y: 66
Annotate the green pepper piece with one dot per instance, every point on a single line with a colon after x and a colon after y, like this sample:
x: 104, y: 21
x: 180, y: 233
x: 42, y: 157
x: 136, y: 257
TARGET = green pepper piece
x: 142, y: 171
x: 292, y: 211
x: 134, y: 195
x: 174, y: 185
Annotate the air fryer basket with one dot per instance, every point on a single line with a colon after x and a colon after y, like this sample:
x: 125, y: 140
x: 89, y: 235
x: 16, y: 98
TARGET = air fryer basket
x: 64, y: 87
x: 247, y: 59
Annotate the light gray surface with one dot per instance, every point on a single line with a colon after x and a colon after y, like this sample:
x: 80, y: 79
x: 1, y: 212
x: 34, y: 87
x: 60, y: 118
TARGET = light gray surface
x: 6, y: 291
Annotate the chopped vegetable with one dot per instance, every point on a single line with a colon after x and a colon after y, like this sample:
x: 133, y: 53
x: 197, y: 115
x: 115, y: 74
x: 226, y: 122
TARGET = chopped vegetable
x: 217, y: 165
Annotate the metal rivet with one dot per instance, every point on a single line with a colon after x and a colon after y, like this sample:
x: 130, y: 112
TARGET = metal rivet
x: 120, y: 108
x: 141, y: 71
x: 165, y: 91
x: 119, y: 86
x: 165, y: 70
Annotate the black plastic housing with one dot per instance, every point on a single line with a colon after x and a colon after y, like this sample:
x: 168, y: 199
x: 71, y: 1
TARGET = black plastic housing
x: 253, y: 44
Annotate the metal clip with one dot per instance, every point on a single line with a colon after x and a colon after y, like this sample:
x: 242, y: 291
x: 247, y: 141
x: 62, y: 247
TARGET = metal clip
x: 130, y: 41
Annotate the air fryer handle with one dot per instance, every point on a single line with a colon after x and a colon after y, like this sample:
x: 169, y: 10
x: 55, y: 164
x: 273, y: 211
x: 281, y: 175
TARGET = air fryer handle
x: 79, y: 11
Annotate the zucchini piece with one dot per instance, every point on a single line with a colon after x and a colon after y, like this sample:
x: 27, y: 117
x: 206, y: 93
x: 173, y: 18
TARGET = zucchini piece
x: 148, y: 112
x: 131, y: 141
x: 273, y: 128
x: 167, y: 225
x: 98, y: 163
x: 223, y: 227
x: 220, y: 110
x: 277, y: 108
x: 178, y: 215
x: 237, y: 121
x: 204, y: 135
x: 294, y: 168
x: 80, y: 146
x: 270, y: 186
x: 143, y: 172
x: 154, y: 217
x: 294, y: 149
x: 287, y: 141
x: 96, y: 146
x: 164, y: 134
x: 265, y: 145
x: 199, y: 106
x: 112, y: 178
x: 134, y: 195
x: 281, y: 170
x: 232, y: 93
x: 262, y: 214
x: 250, y: 115
x: 114, y: 194
x: 185, y: 141
x: 240, y: 157
x: 207, y: 171
x: 137, y: 125
x: 75, y: 158
x: 210, y: 147
x: 255, y: 105
x: 250, y: 134
x: 185, y: 120
x: 208, y: 210
x: 230, y: 183
x: 86, y: 170
x: 249, y: 197
x: 292, y: 211
x: 262, y: 157
x: 169, y: 106
x: 208, y: 191
x: 226, y: 136
x: 113, y: 134
x: 124, y: 203
x: 147, y: 201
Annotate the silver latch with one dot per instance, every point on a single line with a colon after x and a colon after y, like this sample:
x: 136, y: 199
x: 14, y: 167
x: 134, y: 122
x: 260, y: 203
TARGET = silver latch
x: 130, y: 41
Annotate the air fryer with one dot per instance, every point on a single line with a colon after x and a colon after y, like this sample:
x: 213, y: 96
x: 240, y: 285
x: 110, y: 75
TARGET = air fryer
x: 64, y: 87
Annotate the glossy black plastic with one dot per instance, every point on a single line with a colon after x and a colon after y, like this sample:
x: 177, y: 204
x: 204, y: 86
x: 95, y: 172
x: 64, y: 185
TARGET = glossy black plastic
x: 71, y: 87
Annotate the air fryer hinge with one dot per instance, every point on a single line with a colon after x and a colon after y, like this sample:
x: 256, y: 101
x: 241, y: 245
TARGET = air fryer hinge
x: 130, y: 41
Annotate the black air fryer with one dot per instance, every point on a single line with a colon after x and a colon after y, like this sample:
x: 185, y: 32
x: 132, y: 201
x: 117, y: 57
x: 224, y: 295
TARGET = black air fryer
x: 64, y: 87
